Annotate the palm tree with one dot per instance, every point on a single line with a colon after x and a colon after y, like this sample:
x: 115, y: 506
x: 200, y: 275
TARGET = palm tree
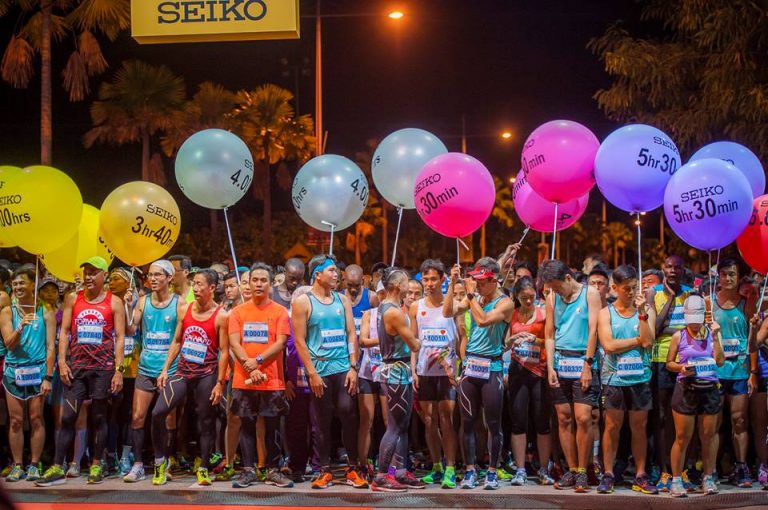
x: 618, y: 235
x: 41, y: 22
x: 138, y: 103
x: 502, y: 209
x: 267, y: 123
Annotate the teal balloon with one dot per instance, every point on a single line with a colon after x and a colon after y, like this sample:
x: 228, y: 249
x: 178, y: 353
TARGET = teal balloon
x: 214, y: 168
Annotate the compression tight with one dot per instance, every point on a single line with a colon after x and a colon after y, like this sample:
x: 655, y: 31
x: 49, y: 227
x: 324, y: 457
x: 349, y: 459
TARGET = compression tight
x: 173, y: 395
x: 530, y: 400
x: 98, y: 427
x: 336, y: 400
x: 394, y: 445
x: 272, y: 441
x: 475, y: 396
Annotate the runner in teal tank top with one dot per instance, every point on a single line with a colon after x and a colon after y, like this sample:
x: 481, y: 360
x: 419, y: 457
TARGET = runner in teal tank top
x: 481, y: 387
x: 731, y: 312
x: 158, y: 325
x: 327, y: 336
x: 625, y: 330
x: 29, y: 334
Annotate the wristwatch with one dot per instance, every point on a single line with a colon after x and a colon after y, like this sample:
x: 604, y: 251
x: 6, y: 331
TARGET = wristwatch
x: 589, y: 361
x: 259, y: 359
x: 48, y: 378
x: 120, y: 368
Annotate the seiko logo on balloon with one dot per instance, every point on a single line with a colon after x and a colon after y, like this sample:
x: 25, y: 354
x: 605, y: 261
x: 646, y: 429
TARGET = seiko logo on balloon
x: 666, y: 143
x: 432, y: 179
x: 430, y: 201
x: 10, y: 200
x: 202, y: 11
x: 709, y: 191
x: 7, y: 218
x: 166, y: 215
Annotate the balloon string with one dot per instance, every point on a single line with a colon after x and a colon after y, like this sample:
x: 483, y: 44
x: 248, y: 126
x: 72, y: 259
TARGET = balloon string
x: 232, y: 250
x: 639, y: 250
x: 397, y: 234
x: 458, y: 253
x: 762, y: 294
x: 130, y: 291
x: 37, y: 276
x: 554, y: 234
x: 333, y: 227
x: 512, y: 266
x: 711, y: 280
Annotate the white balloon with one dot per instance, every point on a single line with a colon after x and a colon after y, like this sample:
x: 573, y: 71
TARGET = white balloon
x: 214, y: 168
x: 330, y: 189
x: 397, y: 161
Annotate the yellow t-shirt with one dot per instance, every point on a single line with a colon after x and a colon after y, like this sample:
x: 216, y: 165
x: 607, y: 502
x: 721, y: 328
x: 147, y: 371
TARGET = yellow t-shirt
x: 675, y: 320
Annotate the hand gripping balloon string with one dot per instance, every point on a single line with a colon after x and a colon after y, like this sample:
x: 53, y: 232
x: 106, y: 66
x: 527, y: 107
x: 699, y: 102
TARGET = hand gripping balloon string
x: 554, y: 234
x: 512, y: 266
x: 232, y: 249
x: 333, y: 227
x: 397, y: 234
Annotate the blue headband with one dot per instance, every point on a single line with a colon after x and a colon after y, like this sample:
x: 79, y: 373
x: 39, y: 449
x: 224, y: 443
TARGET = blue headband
x: 322, y: 267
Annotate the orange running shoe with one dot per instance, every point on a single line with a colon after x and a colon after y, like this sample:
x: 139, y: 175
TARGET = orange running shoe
x: 323, y: 480
x: 355, y: 480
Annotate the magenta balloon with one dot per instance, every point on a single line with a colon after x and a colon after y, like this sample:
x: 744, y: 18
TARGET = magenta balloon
x: 538, y: 213
x: 559, y: 160
x: 454, y: 194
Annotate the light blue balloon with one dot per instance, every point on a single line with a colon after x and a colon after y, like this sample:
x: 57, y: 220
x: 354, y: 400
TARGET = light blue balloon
x: 740, y: 157
x: 330, y: 189
x: 634, y: 165
x: 398, y: 159
x: 214, y: 168
x: 708, y: 203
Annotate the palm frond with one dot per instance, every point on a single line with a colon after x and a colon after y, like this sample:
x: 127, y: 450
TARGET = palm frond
x: 76, y: 77
x: 109, y: 17
x: 90, y: 50
x: 33, y: 30
x: 17, y: 67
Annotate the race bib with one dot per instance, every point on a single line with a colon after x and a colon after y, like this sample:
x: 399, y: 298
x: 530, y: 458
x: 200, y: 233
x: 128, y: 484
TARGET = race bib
x: 301, y: 378
x: 130, y: 344
x: 358, y: 321
x: 90, y: 334
x: 705, y: 367
x: 157, y: 341
x: 630, y: 366
x: 731, y: 347
x: 569, y: 368
x: 333, y: 338
x: 478, y: 367
x: 255, y: 333
x: 434, y: 337
x: 528, y: 353
x: 194, y: 352
x: 28, y: 376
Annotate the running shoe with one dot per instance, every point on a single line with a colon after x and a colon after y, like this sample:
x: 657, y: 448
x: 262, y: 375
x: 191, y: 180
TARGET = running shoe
x: 665, y: 482
x: 654, y: 475
x: 689, y: 486
x: 218, y: 461
x: 434, y: 476
x: 470, y: 480
x: 261, y: 474
x: 708, y: 485
x: 197, y: 464
x: 503, y: 475
x: 323, y: 480
x: 449, y: 478
x: 762, y: 476
x: 743, y: 477
x: 567, y: 481
x: 33, y: 472
x: 126, y: 463
x: 226, y: 474
x: 581, y: 483
x: 677, y: 489
x: 491, y: 481
x: 203, y: 478
x: 175, y: 463
x: 95, y: 474
x: 278, y: 479
x: 594, y: 473
x: 136, y: 474
x: 73, y: 471
x: 17, y: 473
x: 6, y: 470
x: 355, y: 480
x: 606, y: 484
x: 246, y: 479
x: 54, y: 475
x: 519, y: 479
x: 643, y: 484
x: 387, y: 483
x: 161, y: 473
x: 410, y: 481
x: 295, y: 476
x: 544, y: 477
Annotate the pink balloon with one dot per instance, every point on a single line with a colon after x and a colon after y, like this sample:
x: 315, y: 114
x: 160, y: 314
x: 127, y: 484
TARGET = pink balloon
x: 454, y: 194
x: 538, y: 213
x: 559, y: 160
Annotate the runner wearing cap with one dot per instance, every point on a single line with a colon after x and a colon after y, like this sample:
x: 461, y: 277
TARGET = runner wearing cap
x: 92, y: 330
x: 156, y: 315
x: 481, y: 388
x: 324, y: 332
x: 571, y: 341
x: 182, y: 266
x: 29, y: 331
x: 694, y: 354
x: 258, y: 332
x: 201, y: 339
x: 625, y: 330
x: 434, y: 375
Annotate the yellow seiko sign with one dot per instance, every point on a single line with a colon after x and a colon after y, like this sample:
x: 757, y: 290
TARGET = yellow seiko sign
x: 171, y: 21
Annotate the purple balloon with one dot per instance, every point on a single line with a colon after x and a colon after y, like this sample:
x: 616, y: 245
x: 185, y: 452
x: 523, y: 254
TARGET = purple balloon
x: 708, y: 203
x: 740, y: 157
x: 633, y: 167
x: 538, y: 213
x: 559, y: 160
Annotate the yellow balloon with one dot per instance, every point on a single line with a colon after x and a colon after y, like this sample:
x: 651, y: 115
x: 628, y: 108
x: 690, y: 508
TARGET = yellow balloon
x: 7, y: 175
x: 44, y: 209
x: 140, y: 222
x: 64, y: 262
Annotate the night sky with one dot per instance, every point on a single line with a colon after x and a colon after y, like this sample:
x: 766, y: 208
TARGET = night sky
x: 502, y: 64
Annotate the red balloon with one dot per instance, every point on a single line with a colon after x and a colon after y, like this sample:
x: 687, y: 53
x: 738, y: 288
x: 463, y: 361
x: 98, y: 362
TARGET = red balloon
x: 753, y: 241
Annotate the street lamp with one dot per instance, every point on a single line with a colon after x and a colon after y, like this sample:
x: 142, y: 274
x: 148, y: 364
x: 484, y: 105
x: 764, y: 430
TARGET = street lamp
x: 506, y: 135
x: 319, y: 133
